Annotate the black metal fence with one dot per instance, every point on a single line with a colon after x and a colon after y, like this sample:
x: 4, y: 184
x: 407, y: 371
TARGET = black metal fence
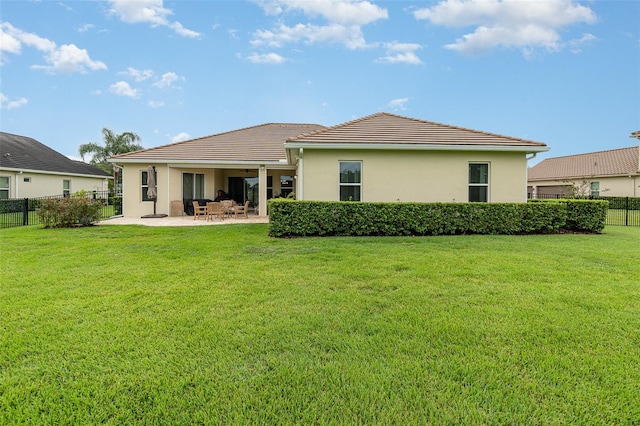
x: 23, y: 211
x: 623, y: 211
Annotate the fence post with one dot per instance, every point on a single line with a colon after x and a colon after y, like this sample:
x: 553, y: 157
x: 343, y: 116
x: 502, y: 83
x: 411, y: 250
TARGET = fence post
x: 25, y: 212
x: 626, y: 215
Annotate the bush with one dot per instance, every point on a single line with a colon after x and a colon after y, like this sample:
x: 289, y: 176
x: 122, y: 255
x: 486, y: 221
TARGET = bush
x: 69, y: 212
x: 300, y: 218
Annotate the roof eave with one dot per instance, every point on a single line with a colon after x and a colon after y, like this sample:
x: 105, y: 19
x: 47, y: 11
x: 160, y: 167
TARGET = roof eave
x: 417, y: 147
x: 50, y: 172
x: 282, y: 163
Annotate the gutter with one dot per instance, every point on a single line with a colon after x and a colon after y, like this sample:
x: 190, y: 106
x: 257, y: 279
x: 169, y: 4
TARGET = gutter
x: 416, y: 147
x: 47, y: 172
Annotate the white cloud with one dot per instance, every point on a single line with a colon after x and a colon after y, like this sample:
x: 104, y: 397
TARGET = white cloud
x: 137, y: 75
x: 344, y: 21
x: 398, y: 104
x: 167, y: 80
x: 182, y: 136
x: 84, y: 28
x: 401, y: 53
x: 67, y: 58
x: 148, y: 11
x: 122, y: 88
x: 268, y: 58
x: 5, y: 103
x: 345, y: 12
x: 12, y: 39
x: 507, y: 23
x: 155, y: 104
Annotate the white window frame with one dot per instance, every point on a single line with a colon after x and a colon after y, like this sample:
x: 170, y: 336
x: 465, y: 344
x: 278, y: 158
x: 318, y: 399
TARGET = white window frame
x: 66, y: 192
x: 348, y: 184
x: 594, y: 189
x: 7, y: 188
x: 479, y: 184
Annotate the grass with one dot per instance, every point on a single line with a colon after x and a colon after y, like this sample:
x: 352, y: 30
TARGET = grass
x: 224, y: 325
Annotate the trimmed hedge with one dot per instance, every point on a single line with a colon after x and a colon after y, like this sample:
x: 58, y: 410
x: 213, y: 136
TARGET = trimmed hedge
x: 69, y: 212
x: 325, y: 218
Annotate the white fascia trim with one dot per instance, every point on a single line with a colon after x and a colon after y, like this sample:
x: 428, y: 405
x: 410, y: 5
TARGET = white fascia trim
x: 416, y: 147
x: 209, y: 164
x: 45, y: 172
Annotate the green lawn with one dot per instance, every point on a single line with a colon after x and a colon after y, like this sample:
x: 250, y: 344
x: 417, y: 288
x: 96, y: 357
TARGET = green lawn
x: 224, y: 325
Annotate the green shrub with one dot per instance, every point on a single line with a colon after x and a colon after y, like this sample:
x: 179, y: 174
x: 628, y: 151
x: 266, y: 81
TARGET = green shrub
x: 586, y: 215
x: 300, y: 218
x: 68, y: 212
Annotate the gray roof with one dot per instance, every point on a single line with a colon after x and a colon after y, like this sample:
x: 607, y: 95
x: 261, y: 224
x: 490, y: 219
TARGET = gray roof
x: 614, y: 162
x: 263, y: 142
x: 389, y: 129
x: 23, y: 153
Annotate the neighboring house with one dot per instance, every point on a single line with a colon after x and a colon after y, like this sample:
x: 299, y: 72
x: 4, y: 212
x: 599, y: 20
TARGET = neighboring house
x: 614, y: 172
x: 30, y: 169
x: 381, y: 157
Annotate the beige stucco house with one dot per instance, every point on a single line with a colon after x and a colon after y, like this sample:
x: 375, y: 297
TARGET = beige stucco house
x: 614, y: 172
x: 30, y: 169
x: 381, y: 157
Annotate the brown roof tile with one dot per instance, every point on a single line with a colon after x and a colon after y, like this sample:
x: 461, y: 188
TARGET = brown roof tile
x: 385, y: 128
x: 622, y: 161
x: 258, y: 143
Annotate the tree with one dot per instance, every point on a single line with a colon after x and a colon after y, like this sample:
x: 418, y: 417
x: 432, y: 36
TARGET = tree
x: 113, y: 145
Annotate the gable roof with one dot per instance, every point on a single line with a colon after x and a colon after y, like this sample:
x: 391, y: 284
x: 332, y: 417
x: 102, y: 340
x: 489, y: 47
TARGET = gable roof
x: 614, y: 162
x: 390, y: 131
x: 27, y: 154
x: 258, y: 144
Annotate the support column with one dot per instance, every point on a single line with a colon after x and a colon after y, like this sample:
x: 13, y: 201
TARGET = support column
x: 262, y: 196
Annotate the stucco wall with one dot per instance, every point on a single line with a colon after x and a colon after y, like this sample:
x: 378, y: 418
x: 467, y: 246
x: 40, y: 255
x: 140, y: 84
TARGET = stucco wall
x: 621, y: 186
x: 44, y: 185
x: 424, y: 176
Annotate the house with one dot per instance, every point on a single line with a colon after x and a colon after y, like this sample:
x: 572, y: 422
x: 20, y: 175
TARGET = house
x: 31, y: 169
x: 615, y: 172
x: 381, y: 157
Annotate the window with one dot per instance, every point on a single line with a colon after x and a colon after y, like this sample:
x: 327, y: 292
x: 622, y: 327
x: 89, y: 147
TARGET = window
x: 192, y: 186
x: 269, y: 187
x: 478, y: 182
x: 66, y: 187
x: 145, y: 186
x: 595, y: 189
x: 286, y: 185
x: 4, y: 187
x: 350, y: 180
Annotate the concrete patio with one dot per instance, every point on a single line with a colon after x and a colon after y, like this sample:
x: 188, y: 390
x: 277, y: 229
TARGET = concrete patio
x: 182, y: 221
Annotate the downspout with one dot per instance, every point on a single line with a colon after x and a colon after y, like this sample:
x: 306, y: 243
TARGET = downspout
x: 300, y: 194
x: 534, y: 190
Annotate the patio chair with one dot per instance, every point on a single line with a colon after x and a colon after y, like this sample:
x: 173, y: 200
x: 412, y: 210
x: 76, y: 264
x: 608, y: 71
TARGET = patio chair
x: 199, y: 210
x: 227, y: 207
x: 215, y: 209
x: 242, y: 210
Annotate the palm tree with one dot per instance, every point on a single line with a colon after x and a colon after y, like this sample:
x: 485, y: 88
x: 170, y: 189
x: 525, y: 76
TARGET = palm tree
x: 113, y: 145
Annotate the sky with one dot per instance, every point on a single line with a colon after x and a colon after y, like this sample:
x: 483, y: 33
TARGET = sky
x: 562, y: 72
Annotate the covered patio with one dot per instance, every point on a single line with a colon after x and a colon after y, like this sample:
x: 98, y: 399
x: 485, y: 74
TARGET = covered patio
x: 249, y: 164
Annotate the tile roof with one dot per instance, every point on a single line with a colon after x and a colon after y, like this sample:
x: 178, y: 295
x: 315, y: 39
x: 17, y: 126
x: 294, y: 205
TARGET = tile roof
x: 23, y: 153
x: 258, y: 143
x: 614, y: 162
x: 385, y: 128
